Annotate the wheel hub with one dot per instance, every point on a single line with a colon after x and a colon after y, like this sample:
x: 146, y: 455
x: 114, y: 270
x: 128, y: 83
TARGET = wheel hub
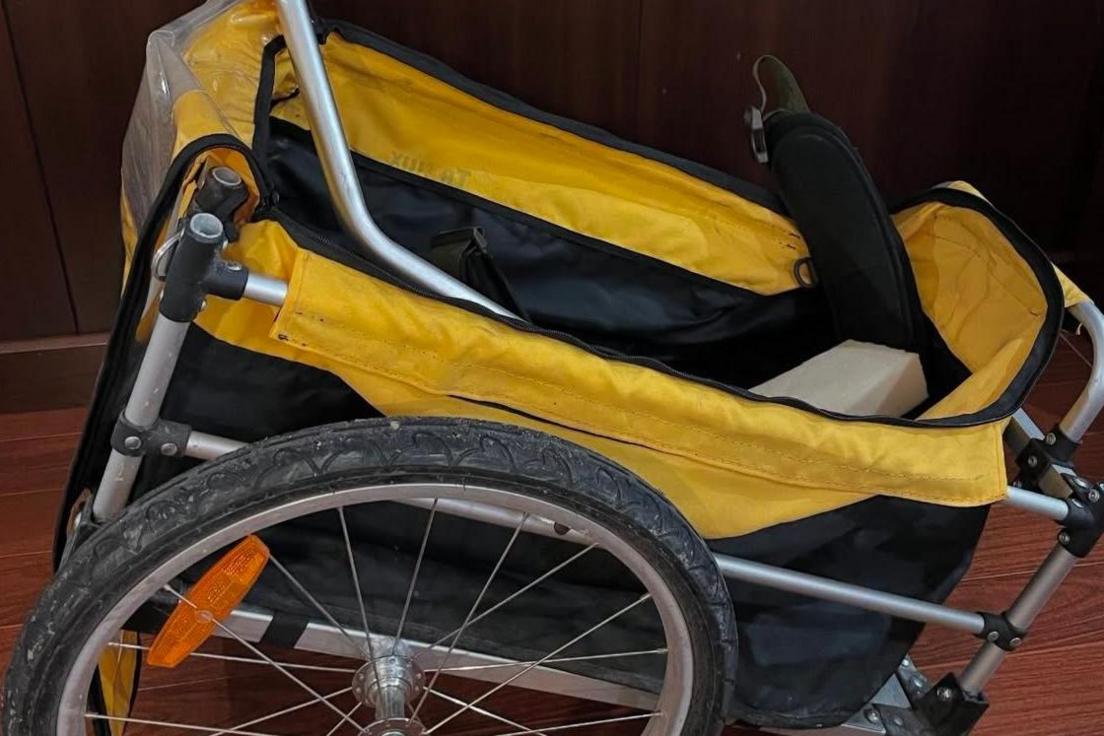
x: 387, y: 684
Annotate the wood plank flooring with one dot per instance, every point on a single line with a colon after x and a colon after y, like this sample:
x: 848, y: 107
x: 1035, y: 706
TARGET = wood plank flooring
x: 1054, y: 686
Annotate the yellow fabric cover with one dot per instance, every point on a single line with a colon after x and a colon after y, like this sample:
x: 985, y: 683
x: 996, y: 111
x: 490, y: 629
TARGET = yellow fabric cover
x: 415, y: 122
x: 1070, y: 291
x: 731, y: 464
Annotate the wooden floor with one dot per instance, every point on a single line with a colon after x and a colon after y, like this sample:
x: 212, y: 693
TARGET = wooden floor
x: 1053, y: 686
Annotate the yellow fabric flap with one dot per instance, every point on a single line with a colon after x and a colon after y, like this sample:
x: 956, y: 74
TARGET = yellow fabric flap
x: 410, y: 120
x: 409, y: 354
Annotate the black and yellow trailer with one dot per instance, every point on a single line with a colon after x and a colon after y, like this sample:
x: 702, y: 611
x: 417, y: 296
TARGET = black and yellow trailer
x: 412, y: 375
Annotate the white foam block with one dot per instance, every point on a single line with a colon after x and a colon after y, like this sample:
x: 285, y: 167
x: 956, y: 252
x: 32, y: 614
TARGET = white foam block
x: 855, y: 378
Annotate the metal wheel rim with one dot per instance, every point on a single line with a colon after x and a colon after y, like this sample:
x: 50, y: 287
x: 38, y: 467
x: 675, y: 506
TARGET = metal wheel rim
x: 672, y: 703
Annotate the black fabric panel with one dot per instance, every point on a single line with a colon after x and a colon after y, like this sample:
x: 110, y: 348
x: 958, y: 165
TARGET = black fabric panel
x: 858, y: 254
x: 285, y: 629
x: 231, y: 392
x: 463, y: 255
x: 601, y: 294
x: 805, y: 662
x: 460, y: 555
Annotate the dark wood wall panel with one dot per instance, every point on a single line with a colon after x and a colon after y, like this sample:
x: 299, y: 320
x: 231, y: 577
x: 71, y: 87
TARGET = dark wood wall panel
x: 32, y: 282
x: 572, y: 57
x: 80, y: 64
x: 1088, y: 256
x: 1004, y: 94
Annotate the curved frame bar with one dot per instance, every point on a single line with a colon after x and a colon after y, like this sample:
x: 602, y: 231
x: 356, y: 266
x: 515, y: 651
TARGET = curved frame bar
x: 341, y: 177
x: 1084, y: 411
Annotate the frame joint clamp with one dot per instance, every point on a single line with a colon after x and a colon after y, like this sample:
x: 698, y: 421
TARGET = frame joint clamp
x: 1084, y: 525
x: 1044, y: 464
x: 944, y: 710
x: 1001, y: 632
x: 163, y: 438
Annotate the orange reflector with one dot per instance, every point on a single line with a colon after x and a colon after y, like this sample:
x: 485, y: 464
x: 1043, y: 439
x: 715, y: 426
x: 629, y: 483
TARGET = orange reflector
x: 210, y: 600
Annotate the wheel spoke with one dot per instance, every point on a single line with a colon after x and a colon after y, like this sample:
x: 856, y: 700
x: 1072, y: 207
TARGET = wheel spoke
x: 341, y: 721
x: 481, y: 711
x: 556, y: 660
x: 369, y: 652
x: 550, y: 655
x: 287, y: 673
x: 291, y: 709
x: 246, y: 660
x: 471, y: 611
x: 584, y: 724
x: 414, y: 577
x: 544, y: 576
x: 314, y: 601
x: 169, y: 724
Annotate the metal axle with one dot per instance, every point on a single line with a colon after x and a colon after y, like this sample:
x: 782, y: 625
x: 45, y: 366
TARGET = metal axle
x: 388, y: 683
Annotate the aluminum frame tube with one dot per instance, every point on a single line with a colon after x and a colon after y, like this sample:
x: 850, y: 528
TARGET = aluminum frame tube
x: 337, y: 166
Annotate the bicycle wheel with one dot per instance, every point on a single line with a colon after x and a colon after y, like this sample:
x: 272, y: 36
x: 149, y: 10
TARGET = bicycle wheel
x: 402, y: 555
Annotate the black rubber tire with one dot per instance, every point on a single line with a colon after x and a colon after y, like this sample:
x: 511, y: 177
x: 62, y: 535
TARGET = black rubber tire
x: 192, y: 506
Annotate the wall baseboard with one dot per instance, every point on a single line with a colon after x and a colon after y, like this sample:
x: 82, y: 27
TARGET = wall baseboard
x: 50, y: 372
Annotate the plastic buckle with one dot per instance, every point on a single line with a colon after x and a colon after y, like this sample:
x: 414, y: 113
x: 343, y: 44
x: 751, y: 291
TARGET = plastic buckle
x: 753, y: 118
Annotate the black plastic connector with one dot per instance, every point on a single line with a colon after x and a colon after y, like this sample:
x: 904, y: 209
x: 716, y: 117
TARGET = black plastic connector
x: 163, y: 438
x: 1084, y: 525
x: 942, y: 710
x: 196, y: 270
x: 192, y: 262
x: 1040, y: 455
x: 126, y: 438
x: 1000, y: 631
x: 220, y: 192
x: 226, y: 279
x: 1062, y: 448
x: 948, y: 710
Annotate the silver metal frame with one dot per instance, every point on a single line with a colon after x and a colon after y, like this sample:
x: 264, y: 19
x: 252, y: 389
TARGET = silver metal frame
x: 1091, y: 400
x: 144, y: 405
x: 337, y: 165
